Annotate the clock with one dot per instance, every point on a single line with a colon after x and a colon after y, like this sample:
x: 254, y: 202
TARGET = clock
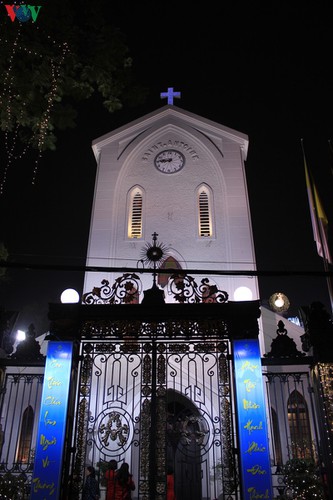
x: 169, y: 161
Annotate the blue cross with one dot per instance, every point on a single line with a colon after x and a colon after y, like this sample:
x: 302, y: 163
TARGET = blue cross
x: 170, y: 95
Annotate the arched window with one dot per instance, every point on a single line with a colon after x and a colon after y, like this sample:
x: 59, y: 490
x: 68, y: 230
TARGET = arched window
x: 135, y: 213
x: 204, y: 212
x: 299, y: 426
x: 25, y: 438
x: 277, y: 438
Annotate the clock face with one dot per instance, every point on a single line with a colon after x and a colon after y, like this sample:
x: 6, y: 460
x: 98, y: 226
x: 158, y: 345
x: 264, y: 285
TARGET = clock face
x: 169, y: 161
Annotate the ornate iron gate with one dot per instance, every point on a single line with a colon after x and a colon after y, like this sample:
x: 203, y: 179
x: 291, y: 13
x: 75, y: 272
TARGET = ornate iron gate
x: 155, y: 386
x: 156, y: 403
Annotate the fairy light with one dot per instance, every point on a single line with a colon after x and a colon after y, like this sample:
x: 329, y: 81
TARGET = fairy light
x: 39, y: 136
x: 324, y: 375
x: 326, y: 380
x: 45, y: 120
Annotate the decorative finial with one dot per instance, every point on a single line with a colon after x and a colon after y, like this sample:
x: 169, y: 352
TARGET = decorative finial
x: 154, y: 254
x: 170, y: 95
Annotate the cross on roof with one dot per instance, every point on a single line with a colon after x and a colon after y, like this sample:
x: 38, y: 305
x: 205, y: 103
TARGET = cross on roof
x: 170, y: 95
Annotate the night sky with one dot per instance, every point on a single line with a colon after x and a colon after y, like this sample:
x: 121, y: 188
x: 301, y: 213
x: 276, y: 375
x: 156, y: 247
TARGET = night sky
x: 264, y: 72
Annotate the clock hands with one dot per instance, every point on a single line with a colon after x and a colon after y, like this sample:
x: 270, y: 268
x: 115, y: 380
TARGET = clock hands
x: 169, y: 161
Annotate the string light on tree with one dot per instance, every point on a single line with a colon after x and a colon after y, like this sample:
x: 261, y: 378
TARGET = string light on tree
x: 14, y: 123
x: 46, y: 70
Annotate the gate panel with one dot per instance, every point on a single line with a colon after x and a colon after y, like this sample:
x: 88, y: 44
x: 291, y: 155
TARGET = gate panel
x: 111, y: 413
x: 200, y: 426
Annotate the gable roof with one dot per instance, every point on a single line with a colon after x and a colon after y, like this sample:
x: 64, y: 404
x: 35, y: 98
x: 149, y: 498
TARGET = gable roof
x: 143, y: 123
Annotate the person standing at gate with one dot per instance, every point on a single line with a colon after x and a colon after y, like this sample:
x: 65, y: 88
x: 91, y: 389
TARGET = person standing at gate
x: 170, y: 484
x: 110, y: 476
x: 124, y: 483
x: 91, y: 486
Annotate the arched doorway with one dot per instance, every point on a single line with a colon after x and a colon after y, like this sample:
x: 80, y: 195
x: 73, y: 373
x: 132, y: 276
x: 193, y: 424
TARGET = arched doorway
x: 186, y: 431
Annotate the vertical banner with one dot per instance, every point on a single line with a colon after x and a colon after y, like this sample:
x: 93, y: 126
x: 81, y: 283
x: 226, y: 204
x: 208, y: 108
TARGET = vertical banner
x: 252, y: 424
x: 52, y: 422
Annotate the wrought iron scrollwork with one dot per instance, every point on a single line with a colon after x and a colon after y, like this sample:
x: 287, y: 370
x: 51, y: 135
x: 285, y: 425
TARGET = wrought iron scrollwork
x: 125, y: 290
x: 114, y: 429
x: 130, y: 330
x: 185, y: 289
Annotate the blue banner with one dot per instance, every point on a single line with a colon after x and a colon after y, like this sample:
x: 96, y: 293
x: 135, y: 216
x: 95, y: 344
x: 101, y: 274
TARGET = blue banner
x: 252, y: 423
x: 46, y: 481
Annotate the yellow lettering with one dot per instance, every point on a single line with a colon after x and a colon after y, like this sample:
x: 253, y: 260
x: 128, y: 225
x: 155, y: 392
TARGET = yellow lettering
x: 255, y: 494
x: 248, y: 366
x: 257, y: 470
x: 249, y: 405
x: 47, y: 442
x: 249, y: 385
x: 48, y: 421
x: 38, y: 485
x: 52, y: 382
x: 254, y: 447
x: 249, y: 427
x: 51, y: 400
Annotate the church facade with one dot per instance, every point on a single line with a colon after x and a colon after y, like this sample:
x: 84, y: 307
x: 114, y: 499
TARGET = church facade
x: 174, y: 362
x: 183, y: 177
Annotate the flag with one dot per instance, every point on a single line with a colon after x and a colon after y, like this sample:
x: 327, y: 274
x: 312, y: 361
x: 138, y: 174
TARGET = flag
x: 318, y: 217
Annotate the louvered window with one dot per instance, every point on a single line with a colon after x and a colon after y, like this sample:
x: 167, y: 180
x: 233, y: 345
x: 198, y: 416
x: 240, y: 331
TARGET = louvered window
x: 135, y: 222
x: 205, y: 223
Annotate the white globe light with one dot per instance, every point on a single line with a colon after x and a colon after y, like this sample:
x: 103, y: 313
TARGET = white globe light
x: 20, y: 335
x: 279, y: 302
x: 69, y: 296
x: 242, y: 293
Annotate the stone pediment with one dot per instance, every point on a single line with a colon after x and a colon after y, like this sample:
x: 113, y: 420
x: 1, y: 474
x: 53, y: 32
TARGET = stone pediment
x: 173, y: 116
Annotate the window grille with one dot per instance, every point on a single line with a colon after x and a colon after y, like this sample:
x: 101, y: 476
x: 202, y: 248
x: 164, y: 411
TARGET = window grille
x: 135, y: 223
x: 205, y: 223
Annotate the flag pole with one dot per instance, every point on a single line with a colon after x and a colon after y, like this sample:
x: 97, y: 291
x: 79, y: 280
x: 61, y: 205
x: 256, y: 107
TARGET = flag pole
x: 317, y: 226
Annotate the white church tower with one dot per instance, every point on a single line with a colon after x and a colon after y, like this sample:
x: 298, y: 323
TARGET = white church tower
x: 182, y: 176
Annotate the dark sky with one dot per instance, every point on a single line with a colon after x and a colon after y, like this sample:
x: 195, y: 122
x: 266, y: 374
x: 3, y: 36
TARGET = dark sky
x: 265, y: 72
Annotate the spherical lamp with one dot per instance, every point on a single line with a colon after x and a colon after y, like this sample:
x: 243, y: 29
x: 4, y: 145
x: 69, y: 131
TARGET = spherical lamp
x: 242, y: 293
x: 279, y: 302
x: 69, y: 296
